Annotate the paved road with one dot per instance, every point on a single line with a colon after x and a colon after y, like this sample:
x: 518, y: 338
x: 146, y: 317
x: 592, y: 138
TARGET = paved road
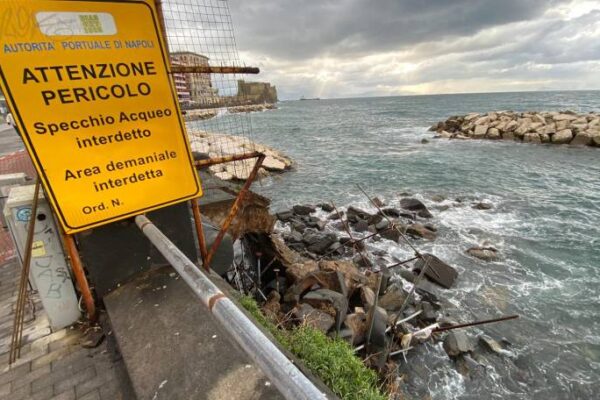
x: 9, y: 140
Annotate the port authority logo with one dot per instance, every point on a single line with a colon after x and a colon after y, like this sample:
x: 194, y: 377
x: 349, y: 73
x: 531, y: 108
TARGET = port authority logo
x: 93, y: 101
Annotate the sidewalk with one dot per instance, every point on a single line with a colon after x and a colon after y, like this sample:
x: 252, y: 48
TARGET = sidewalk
x: 53, y: 365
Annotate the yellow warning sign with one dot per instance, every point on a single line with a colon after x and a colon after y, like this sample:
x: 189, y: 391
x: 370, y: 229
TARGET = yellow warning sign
x: 88, y: 85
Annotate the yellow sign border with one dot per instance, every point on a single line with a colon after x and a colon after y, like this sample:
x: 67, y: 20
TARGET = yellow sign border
x: 38, y: 165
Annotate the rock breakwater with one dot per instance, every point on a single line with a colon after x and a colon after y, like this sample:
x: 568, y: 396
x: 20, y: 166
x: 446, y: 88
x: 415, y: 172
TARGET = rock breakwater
x: 566, y: 127
x: 208, y: 113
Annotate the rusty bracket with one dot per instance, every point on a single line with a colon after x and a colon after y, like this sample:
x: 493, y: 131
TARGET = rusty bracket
x: 80, y: 278
x: 199, y: 228
x: 238, y: 200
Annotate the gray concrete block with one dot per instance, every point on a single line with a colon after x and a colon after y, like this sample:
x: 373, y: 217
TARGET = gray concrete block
x: 30, y: 377
x: 71, y: 382
x: 9, y: 374
x: 93, y: 395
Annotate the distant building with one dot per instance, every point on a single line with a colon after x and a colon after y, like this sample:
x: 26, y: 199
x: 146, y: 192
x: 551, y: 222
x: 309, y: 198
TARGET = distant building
x: 193, y: 89
x: 181, y: 85
x: 257, y: 92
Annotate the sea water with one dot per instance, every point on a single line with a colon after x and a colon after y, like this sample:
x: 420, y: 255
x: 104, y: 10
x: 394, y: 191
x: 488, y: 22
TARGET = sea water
x: 545, y: 222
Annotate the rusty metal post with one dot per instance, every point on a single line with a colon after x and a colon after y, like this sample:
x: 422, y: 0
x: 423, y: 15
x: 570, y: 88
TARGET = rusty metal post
x: 234, y: 210
x: 80, y: 278
x: 17, y: 334
x: 199, y: 231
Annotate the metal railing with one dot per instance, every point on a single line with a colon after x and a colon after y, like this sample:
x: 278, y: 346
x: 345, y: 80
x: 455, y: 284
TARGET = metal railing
x: 277, y: 367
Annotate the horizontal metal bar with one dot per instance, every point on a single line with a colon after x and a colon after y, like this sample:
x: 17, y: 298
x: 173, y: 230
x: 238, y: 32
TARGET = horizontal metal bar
x: 206, y: 69
x: 277, y: 367
x: 225, y: 159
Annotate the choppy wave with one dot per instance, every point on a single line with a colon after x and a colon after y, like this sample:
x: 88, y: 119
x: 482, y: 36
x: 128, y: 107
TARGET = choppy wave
x: 545, y: 222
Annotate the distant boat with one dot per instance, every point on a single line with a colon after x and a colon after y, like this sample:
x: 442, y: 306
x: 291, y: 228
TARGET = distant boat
x: 314, y: 98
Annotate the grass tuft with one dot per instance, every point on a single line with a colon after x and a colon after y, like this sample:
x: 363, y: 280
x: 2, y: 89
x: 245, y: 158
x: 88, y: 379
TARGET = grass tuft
x: 332, y: 360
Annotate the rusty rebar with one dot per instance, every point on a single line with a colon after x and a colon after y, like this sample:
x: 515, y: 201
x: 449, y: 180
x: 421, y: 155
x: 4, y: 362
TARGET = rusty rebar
x: 17, y: 333
x: 199, y: 230
x: 470, y: 324
x: 80, y: 278
x: 234, y: 210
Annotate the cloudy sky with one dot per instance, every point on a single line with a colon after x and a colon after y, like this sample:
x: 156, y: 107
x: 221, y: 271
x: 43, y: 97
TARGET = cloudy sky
x: 349, y: 48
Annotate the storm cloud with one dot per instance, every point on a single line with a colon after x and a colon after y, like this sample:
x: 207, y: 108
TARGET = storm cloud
x: 357, y: 47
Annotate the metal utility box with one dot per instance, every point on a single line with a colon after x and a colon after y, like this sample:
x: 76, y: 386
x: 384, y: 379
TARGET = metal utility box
x: 7, y: 182
x: 49, y: 270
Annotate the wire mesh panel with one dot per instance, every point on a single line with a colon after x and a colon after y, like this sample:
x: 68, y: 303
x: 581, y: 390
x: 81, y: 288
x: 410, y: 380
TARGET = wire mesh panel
x: 200, y: 34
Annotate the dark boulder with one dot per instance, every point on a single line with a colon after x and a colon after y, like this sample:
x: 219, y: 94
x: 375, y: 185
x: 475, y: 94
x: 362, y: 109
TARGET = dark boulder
x: 437, y: 270
x: 429, y: 314
x: 491, y: 344
x: 325, y: 300
x: 355, y: 214
x: 420, y: 231
x: 410, y: 216
x: 362, y: 262
x: 483, y: 253
x: 392, y: 234
x: 361, y: 226
x: 318, y: 243
x: 336, y: 216
x: 381, y: 225
x: 297, y: 247
x: 390, y: 212
x: 377, y: 319
x: 285, y: 216
x: 393, y: 298
x: 295, y: 237
x: 332, y: 280
x: 425, y: 214
x: 304, y: 209
x: 483, y: 206
x: 326, y: 207
x: 316, y: 223
x: 378, y: 202
x: 346, y: 241
x: 412, y: 204
x: 298, y: 226
x: 314, y: 318
x: 457, y: 342
x: 375, y: 219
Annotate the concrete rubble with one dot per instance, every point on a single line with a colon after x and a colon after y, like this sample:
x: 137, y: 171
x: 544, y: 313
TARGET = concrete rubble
x: 222, y: 145
x: 324, y: 273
